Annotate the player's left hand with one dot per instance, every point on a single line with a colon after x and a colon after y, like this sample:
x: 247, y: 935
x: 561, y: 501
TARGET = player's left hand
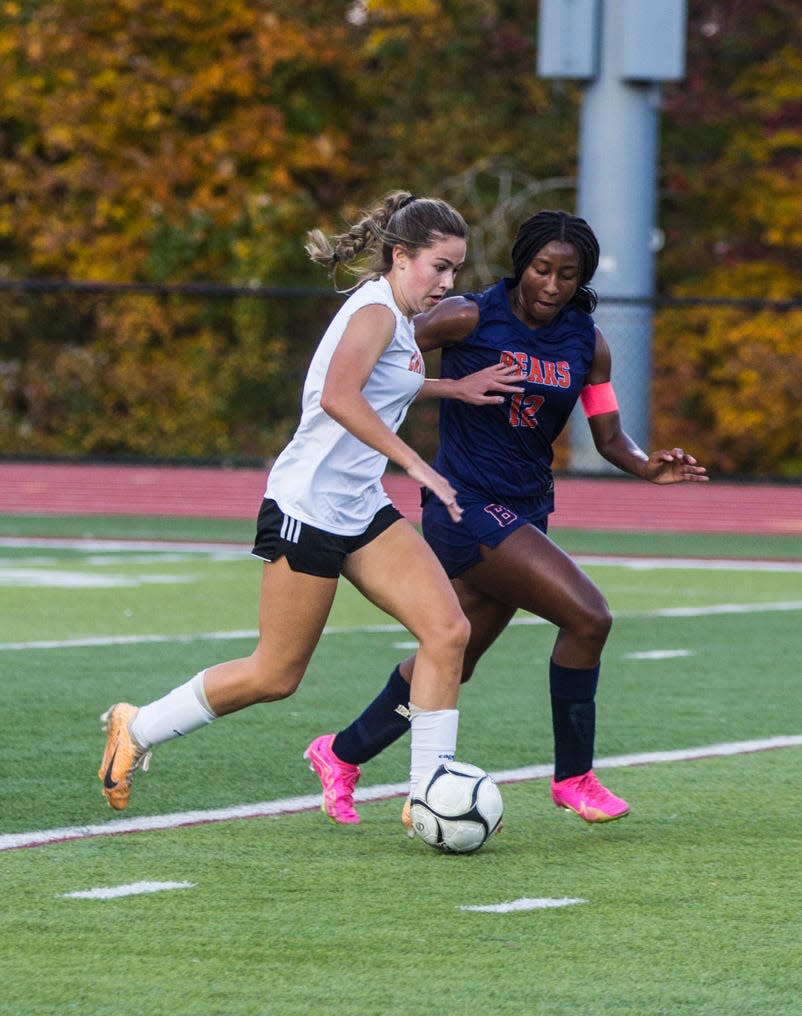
x: 674, y: 466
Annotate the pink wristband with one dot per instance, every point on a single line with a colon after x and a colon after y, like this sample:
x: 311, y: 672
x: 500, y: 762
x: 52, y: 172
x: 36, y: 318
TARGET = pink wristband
x: 598, y: 399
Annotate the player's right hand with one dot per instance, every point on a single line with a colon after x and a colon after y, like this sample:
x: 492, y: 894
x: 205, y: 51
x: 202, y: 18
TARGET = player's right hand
x: 438, y: 485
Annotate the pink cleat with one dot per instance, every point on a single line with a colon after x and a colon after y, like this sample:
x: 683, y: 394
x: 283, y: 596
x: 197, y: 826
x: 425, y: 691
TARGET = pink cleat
x: 588, y: 798
x: 338, y: 779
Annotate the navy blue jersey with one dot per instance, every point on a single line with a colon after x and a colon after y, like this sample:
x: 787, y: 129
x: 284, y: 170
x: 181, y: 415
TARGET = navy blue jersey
x: 504, y: 452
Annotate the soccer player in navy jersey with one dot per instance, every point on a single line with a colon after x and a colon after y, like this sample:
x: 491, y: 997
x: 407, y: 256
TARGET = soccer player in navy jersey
x: 498, y: 458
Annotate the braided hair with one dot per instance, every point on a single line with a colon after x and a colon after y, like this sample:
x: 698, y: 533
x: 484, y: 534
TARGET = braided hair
x: 398, y: 218
x: 542, y: 228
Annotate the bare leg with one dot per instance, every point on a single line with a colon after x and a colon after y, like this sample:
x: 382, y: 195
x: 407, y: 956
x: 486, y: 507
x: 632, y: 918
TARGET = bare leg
x: 529, y: 571
x: 292, y: 612
x: 293, y: 609
x: 400, y: 574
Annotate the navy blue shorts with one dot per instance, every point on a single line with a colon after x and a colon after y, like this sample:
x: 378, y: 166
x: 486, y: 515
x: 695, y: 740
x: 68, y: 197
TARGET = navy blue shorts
x: 310, y: 550
x: 483, y: 524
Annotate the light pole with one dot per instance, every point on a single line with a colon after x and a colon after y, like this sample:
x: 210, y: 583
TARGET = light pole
x: 621, y: 50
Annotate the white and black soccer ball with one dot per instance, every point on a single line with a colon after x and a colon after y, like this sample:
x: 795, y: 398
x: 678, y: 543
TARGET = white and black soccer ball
x: 456, y: 807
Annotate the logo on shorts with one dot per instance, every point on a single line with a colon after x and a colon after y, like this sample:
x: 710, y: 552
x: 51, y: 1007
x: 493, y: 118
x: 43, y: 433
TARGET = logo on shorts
x: 501, y: 514
x: 290, y: 529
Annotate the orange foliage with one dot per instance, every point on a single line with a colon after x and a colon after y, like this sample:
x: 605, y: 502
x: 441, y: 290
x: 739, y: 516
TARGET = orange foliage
x: 185, y: 140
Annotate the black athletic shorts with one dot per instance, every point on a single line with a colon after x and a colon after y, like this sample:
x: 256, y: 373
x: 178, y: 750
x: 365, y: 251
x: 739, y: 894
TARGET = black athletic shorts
x: 310, y: 550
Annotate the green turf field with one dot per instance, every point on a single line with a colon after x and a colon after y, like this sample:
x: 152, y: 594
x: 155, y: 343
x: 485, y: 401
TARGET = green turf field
x: 689, y: 905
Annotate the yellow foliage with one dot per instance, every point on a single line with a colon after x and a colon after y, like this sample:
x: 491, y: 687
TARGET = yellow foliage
x: 178, y: 112
x: 728, y: 383
x: 397, y: 9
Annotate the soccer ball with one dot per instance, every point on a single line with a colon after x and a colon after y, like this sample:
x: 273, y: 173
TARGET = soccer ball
x: 456, y: 807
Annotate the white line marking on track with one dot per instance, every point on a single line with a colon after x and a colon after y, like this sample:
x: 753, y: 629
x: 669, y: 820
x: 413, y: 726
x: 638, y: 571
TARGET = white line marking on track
x: 378, y: 792
x: 525, y: 904
x: 113, y: 892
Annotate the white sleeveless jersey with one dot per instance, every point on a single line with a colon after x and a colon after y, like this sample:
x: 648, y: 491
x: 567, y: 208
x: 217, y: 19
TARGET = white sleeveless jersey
x: 325, y: 476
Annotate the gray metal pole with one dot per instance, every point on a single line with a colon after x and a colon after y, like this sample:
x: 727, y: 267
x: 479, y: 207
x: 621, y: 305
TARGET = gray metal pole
x: 618, y: 156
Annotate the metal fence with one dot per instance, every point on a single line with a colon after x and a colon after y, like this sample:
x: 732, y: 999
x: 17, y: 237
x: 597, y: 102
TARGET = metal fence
x: 213, y: 372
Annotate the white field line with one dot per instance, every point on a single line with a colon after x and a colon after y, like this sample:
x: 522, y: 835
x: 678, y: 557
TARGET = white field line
x: 543, y: 903
x: 635, y: 563
x: 378, y: 792
x: 219, y: 636
x: 660, y: 654
x: 91, y: 544
x: 206, y: 636
x: 131, y: 889
x: 233, y: 547
x: 699, y: 563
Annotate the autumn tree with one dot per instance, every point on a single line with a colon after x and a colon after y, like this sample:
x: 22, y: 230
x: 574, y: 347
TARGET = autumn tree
x: 184, y: 142
x: 161, y: 141
x: 730, y: 379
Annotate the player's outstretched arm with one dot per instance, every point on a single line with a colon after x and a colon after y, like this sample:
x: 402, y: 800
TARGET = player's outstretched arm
x: 666, y: 465
x: 447, y: 324
x: 485, y: 387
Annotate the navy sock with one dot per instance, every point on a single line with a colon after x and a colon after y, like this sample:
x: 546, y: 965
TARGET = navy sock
x: 379, y: 725
x: 573, y: 717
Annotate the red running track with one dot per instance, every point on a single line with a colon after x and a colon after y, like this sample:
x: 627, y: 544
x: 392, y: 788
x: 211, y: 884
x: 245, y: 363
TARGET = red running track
x: 582, y: 503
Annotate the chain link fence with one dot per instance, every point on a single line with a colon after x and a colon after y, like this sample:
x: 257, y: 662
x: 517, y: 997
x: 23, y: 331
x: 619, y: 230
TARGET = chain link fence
x: 214, y: 372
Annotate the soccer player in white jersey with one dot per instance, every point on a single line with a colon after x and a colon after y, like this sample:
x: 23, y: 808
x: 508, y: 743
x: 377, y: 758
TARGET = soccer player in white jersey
x: 325, y: 512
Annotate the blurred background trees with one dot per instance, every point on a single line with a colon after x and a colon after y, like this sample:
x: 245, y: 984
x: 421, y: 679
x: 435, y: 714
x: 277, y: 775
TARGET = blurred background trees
x: 179, y: 143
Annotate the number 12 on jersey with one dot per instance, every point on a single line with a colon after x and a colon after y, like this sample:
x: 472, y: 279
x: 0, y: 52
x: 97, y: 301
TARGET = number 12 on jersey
x: 523, y: 410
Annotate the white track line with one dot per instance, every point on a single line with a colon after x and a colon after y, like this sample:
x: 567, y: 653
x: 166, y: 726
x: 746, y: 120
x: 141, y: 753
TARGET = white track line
x: 382, y: 791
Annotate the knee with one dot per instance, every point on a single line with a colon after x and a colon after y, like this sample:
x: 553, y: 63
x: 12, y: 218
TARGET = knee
x: 450, y: 634
x: 272, y: 683
x: 593, y: 624
x: 460, y: 632
x: 603, y: 619
x: 278, y: 690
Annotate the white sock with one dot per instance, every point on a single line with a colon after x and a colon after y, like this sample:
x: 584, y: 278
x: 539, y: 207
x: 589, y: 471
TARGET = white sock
x: 179, y: 712
x: 434, y: 740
